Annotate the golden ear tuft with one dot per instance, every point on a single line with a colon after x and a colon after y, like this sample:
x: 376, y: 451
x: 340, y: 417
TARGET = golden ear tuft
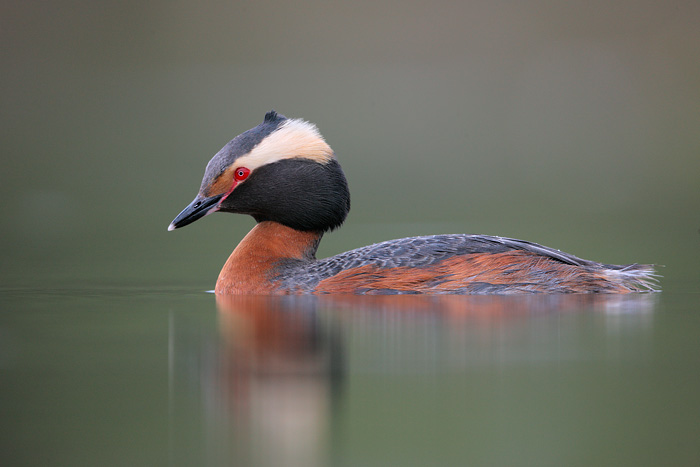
x: 293, y: 139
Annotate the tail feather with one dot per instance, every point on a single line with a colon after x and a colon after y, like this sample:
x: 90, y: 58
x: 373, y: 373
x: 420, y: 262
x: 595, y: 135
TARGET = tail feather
x: 635, y: 277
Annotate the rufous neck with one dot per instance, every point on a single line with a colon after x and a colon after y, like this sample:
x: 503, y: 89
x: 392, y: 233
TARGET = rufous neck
x: 273, y: 240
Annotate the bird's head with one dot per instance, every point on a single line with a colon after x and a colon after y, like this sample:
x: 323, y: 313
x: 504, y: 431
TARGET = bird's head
x: 282, y: 170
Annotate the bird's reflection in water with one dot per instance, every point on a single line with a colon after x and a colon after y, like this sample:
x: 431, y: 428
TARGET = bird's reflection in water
x: 494, y: 306
x: 279, y: 371
x: 272, y: 386
x: 430, y: 334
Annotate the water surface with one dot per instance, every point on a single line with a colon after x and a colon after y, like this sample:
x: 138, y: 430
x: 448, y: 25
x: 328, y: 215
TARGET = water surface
x: 114, y: 376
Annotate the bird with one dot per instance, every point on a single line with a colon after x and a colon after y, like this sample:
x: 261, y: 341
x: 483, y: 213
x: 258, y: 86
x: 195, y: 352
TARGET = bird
x: 284, y: 174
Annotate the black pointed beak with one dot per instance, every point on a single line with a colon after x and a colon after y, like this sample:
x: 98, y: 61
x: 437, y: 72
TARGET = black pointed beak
x: 200, y: 207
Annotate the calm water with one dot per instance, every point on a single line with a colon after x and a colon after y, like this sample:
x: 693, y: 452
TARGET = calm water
x: 139, y: 376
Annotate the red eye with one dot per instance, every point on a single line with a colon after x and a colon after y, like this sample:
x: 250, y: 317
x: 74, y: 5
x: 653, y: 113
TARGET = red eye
x: 241, y: 174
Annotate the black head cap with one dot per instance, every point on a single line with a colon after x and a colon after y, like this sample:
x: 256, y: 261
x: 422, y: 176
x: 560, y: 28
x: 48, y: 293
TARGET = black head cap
x: 239, y: 146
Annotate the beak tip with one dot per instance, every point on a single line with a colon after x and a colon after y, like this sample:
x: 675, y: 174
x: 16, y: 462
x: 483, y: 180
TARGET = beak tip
x: 198, y: 208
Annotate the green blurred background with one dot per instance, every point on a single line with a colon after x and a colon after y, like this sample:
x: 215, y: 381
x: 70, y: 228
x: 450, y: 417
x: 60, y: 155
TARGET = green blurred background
x: 572, y: 124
